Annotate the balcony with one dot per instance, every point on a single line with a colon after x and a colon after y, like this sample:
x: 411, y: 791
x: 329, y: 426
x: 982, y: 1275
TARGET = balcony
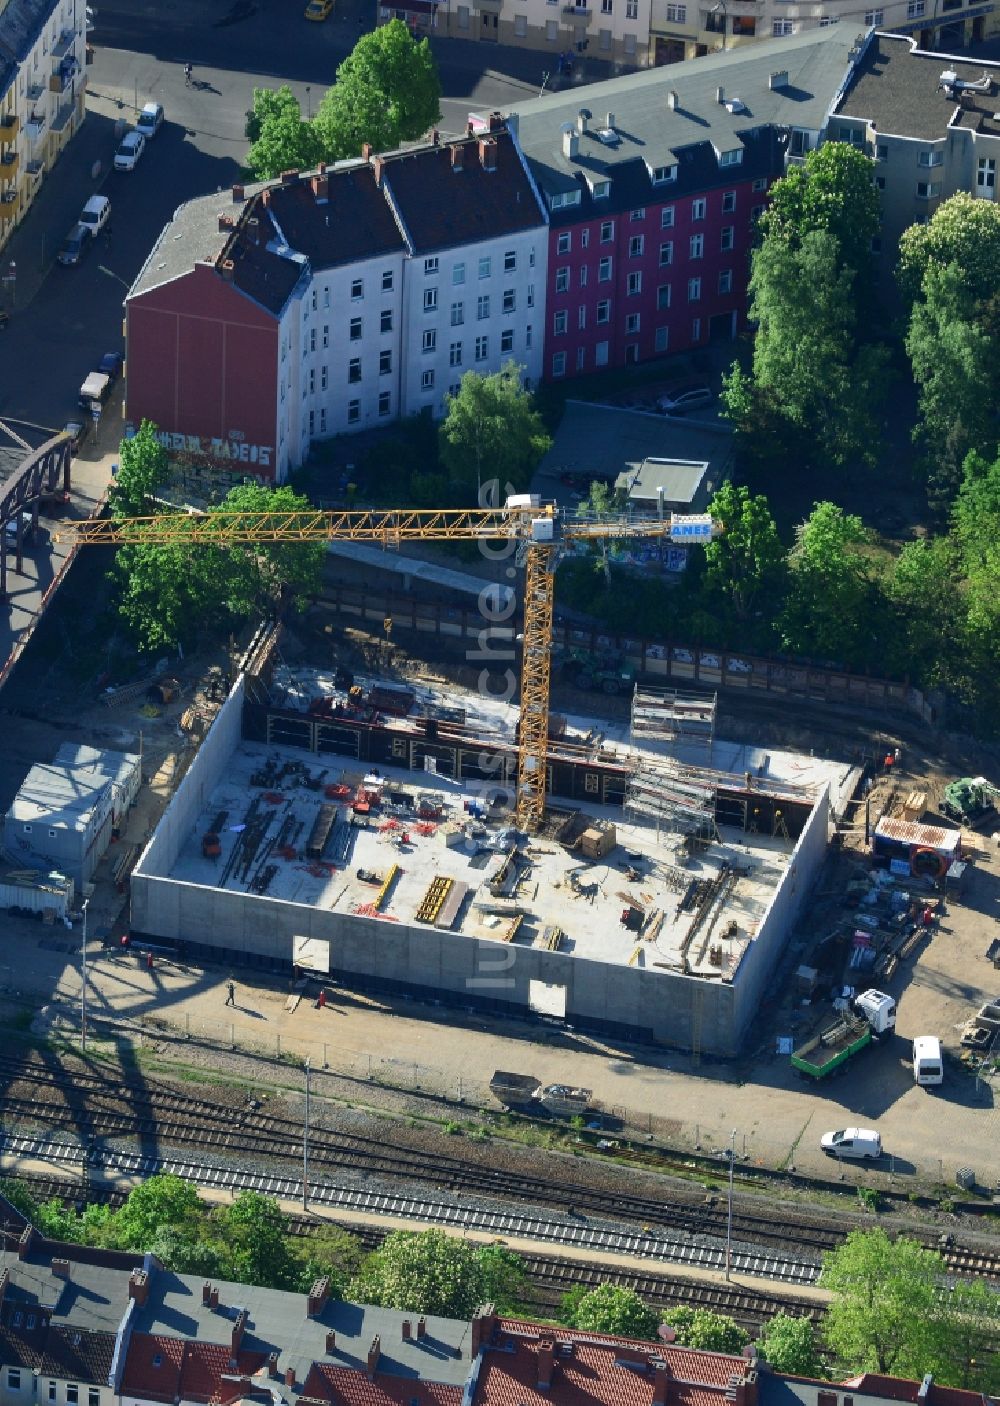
x: 59, y: 82
x: 35, y: 126
x: 63, y: 116
x: 65, y: 44
x: 9, y: 128
x: 578, y: 15
x: 35, y: 92
x: 8, y: 206
x: 9, y: 165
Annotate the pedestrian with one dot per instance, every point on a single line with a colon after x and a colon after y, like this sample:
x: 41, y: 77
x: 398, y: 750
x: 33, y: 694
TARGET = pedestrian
x: 149, y: 961
x: 231, y: 998
x: 187, y: 74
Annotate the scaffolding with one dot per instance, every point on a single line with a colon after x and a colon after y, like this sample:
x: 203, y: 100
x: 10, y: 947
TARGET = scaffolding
x: 673, y: 715
x: 679, y: 799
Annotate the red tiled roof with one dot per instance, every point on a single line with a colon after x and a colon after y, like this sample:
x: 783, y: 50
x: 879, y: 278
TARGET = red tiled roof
x: 898, y: 1389
x: 205, y: 1364
x: 345, y: 1386
x: 153, y: 1367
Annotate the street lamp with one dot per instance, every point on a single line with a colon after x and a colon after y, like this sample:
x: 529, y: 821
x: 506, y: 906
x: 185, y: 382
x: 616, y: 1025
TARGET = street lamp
x: 721, y: 6
x: 729, y: 1218
x: 83, y: 988
x: 305, y: 1145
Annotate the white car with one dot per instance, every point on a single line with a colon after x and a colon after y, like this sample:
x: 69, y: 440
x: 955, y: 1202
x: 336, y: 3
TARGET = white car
x: 150, y: 120
x: 861, y: 1144
x: 132, y: 146
x: 684, y: 398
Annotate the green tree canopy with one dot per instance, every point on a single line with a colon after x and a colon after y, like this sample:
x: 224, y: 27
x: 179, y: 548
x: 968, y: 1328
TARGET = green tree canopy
x: 884, y: 1302
x: 254, y: 1231
x: 160, y: 1203
x: 142, y: 469
x: 748, y: 559
x: 431, y: 1272
x: 830, y: 585
x: 610, y: 1309
x: 387, y: 92
x: 711, y: 1332
x: 963, y: 232
x: 492, y: 431
x: 329, y: 1253
x: 284, y: 140
x: 789, y: 1345
x: 833, y: 192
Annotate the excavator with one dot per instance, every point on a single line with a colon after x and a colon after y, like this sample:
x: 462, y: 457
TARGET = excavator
x: 970, y: 800
x: 538, y: 533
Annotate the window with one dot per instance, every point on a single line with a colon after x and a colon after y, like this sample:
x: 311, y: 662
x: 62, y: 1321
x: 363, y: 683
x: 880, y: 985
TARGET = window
x: 667, y: 217
x: 14, y: 1378
x: 384, y: 403
x: 604, y: 310
x: 581, y: 357
x: 698, y: 208
x: 458, y: 274
x: 875, y: 17
x: 559, y: 364
x: 631, y: 10
x: 322, y: 430
x: 509, y: 300
x: 385, y: 320
x: 639, y: 214
x: 696, y: 330
x: 531, y: 295
x: 387, y: 281
x: 506, y: 341
x: 662, y: 339
x: 562, y: 280
x: 457, y: 314
x: 510, y: 260
x: 430, y: 266
x: 663, y: 296
x: 355, y: 329
x: 585, y: 239
x: 666, y: 253
x: 353, y: 411
x: 485, y: 267
x: 696, y: 246
x: 607, y: 7
x: 324, y: 377
x: 601, y: 354
x: 385, y: 363
x: 430, y: 341
x: 427, y: 380
x: 986, y: 177
x: 482, y: 307
x: 663, y: 174
x: 312, y: 339
x: 312, y: 391
x: 326, y: 334
x: 635, y: 246
x: 357, y: 290
x: 430, y: 299
x: 52, y: 1391
x: 607, y: 231
x: 604, y: 270
x: 881, y: 151
x: 600, y: 190
x: 527, y: 336
x: 880, y: 182
x: 314, y: 300
x: 581, y: 316
x: 564, y: 243
x: 560, y: 323
x: 927, y: 190
x: 779, y: 28
x: 930, y: 158
x: 312, y: 423
x: 632, y: 323
x: 72, y: 1393
x: 725, y: 281
x: 581, y: 275
x: 694, y: 290
x: 731, y: 158
x: 760, y: 183
x: 728, y: 237
x: 914, y: 9
x: 482, y: 348
x: 455, y: 354
x: 94, y: 1395
x: 729, y: 202
x: 677, y: 14
x: 354, y: 370
x: 634, y: 284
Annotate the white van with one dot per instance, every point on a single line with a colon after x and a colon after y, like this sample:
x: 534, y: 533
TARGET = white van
x: 928, y: 1062
x: 861, y: 1144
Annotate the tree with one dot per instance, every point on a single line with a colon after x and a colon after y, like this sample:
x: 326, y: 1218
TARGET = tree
x: 254, y: 1231
x: 160, y: 1203
x: 831, y: 587
x: 329, y: 1253
x: 610, y: 1309
x: 431, y: 1272
x: 492, y: 431
x: 963, y: 232
x: 387, y: 92
x: 923, y: 586
x: 884, y: 1302
x: 142, y: 469
x: 789, y: 1345
x: 711, y: 1332
x: 748, y: 560
x: 965, y: 1343
x: 280, y: 138
x: 16, y: 1192
x: 187, y: 1252
x: 265, y: 575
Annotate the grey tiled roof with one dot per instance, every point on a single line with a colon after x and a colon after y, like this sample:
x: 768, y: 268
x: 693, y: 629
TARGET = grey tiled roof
x: 898, y: 89
x: 21, y: 22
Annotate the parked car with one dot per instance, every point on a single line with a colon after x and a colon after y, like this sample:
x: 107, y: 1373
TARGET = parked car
x: 94, y: 391
x: 110, y: 365
x: 684, y: 398
x: 79, y: 432
x: 318, y: 9
x: 74, y: 246
x: 96, y: 213
x: 133, y: 144
x: 860, y: 1144
x: 27, y: 528
x: 150, y: 120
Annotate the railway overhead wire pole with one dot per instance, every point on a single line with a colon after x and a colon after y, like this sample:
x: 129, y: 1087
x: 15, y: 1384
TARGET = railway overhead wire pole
x: 541, y: 532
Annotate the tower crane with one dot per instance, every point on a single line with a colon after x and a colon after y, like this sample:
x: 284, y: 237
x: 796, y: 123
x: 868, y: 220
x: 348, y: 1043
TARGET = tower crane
x: 539, y: 530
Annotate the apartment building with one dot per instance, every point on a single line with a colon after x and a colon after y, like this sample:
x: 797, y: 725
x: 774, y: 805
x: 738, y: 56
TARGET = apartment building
x: 931, y: 124
x: 42, y: 88
x: 687, y: 29
x: 333, y: 303
x: 653, y: 189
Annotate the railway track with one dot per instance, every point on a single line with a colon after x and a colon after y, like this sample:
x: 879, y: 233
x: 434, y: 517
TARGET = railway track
x: 160, y: 1117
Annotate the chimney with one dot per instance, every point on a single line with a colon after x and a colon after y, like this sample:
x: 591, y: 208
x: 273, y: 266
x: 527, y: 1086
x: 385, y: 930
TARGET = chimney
x: 406, y: 1330
x: 213, y: 1298
x: 206, y: 1293
x: 673, y: 102
x: 546, y: 1361
x: 321, y: 187
x: 288, y: 178
x: 611, y: 121
x: 60, y: 1268
x: 720, y: 95
x: 421, y: 1326
x: 779, y: 79
x: 239, y: 1328
x: 457, y: 158
x: 272, y: 1364
x: 581, y: 120
x: 24, y: 1243
x: 138, y: 1285
x: 331, y: 1341
x: 374, y: 1353
x: 660, y: 1384
x: 488, y: 154
x: 742, y: 1391
x: 321, y: 167
x: 377, y: 166
x: 924, y: 1389
x: 470, y: 127
x: 289, y: 1376
x: 238, y: 193
x: 4, y: 1283
x: 366, y: 151
x: 225, y: 223
x: 435, y: 137
x: 484, y: 1322
x: 319, y: 1297
x: 570, y: 143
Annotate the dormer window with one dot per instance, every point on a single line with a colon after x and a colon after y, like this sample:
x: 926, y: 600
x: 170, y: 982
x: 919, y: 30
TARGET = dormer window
x: 562, y: 198
x: 662, y: 174
x: 600, y: 190
x: 731, y: 158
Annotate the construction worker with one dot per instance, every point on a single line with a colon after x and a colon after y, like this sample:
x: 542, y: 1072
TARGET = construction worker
x: 231, y: 998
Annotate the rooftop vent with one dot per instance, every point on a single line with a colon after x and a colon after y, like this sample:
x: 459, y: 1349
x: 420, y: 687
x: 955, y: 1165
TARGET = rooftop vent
x: 608, y: 136
x: 673, y: 102
x: 720, y: 95
x: 735, y: 105
x: 582, y: 118
x: 570, y: 141
x: 779, y: 79
x: 953, y: 85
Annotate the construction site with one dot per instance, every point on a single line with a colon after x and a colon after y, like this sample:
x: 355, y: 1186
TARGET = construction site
x: 365, y: 831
